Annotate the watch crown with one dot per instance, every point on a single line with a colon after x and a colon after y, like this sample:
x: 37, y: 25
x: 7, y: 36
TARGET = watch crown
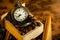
x: 18, y: 4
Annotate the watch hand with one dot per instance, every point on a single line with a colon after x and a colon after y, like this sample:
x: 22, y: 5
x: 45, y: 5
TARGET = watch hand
x: 19, y: 15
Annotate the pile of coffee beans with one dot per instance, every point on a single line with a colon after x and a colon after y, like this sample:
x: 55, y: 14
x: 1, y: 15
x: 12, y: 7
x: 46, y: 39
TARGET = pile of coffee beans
x: 24, y: 27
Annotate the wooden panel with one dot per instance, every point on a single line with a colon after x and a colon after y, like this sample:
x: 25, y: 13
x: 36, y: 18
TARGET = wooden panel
x: 47, y: 34
x: 13, y: 30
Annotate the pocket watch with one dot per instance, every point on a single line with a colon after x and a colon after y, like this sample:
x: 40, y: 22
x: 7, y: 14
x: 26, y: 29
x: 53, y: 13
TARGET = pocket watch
x: 19, y: 13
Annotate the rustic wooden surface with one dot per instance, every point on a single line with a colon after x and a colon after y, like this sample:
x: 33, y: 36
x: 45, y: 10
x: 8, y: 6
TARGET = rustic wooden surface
x: 39, y: 8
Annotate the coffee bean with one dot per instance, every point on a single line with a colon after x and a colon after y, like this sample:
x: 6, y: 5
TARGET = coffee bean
x: 37, y: 23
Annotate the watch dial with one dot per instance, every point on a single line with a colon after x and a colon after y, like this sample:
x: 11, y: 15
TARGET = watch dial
x: 20, y: 14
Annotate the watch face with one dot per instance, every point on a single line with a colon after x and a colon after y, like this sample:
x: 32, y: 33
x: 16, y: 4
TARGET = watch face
x: 20, y: 14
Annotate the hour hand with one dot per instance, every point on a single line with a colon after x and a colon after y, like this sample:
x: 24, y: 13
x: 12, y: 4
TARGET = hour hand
x: 19, y: 15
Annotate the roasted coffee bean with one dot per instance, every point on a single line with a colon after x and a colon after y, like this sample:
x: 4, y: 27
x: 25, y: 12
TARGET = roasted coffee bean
x: 22, y: 33
x: 26, y: 31
x: 21, y: 29
x: 33, y: 27
x: 12, y: 38
x: 16, y: 25
x: 37, y: 23
x: 29, y: 28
